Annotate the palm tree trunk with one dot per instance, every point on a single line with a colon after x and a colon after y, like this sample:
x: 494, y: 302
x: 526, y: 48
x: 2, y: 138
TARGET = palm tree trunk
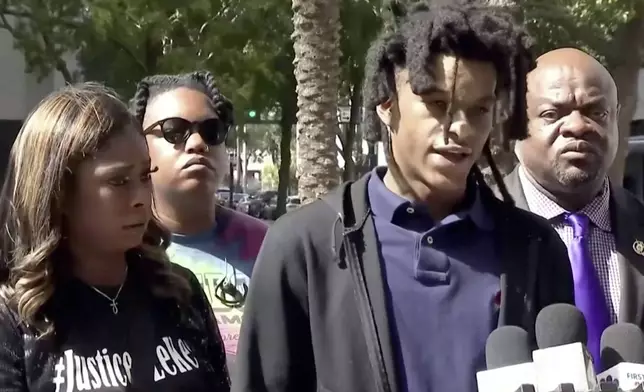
x: 317, y: 69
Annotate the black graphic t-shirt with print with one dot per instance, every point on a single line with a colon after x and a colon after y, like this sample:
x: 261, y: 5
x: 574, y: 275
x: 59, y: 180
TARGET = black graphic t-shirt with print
x: 149, y: 345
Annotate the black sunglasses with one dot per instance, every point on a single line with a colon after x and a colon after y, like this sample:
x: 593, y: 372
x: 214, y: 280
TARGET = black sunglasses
x: 177, y: 130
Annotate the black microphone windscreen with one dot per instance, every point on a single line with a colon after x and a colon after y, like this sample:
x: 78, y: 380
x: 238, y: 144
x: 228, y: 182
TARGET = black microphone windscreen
x: 565, y: 388
x: 640, y: 388
x: 622, y: 342
x: 609, y: 387
x: 506, y: 346
x: 560, y: 324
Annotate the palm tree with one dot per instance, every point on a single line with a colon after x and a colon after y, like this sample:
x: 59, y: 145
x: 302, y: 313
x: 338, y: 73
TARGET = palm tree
x: 316, y: 40
x: 502, y: 151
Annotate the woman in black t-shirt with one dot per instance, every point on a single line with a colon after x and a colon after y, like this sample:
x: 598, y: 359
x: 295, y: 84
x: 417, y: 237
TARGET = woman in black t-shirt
x: 88, y: 298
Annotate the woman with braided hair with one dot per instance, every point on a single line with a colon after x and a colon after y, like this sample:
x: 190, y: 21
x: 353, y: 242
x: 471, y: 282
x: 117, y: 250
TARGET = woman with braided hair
x: 395, y: 281
x: 186, y: 120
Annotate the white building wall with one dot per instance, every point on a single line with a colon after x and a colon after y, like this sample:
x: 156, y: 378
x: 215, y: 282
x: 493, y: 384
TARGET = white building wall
x: 20, y: 91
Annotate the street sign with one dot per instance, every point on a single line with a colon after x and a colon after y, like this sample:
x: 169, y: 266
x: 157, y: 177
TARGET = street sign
x: 344, y: 114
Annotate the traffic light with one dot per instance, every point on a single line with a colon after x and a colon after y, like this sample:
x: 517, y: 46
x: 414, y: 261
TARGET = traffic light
x: 252, y: 114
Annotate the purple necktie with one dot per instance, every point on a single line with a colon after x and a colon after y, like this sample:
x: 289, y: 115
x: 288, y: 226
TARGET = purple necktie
x: 589, y: 296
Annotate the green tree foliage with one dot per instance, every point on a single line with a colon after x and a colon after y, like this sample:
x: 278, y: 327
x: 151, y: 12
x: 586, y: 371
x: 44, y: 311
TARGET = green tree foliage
x: 247, y: 44
x: 45, y: 31
x: 587, y: 24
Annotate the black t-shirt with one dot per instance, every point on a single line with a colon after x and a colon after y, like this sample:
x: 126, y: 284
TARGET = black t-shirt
x: 147, y: 346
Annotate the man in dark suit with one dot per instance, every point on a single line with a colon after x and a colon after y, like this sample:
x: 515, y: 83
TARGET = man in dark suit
x: 562, y: 176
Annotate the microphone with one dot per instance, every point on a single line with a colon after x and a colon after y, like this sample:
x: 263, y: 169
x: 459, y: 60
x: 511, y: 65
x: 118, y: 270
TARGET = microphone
x: 622, y: 354
x: 509, y: 363
x: 562, y: 362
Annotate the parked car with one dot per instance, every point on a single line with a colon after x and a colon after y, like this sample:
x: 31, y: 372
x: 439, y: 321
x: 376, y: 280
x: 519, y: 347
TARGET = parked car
x: 244, y: 204
x: 269, y: 211
x: 222, y: 197
x: 293, y: 203
x: 238, y: 197
x: 254, y: 205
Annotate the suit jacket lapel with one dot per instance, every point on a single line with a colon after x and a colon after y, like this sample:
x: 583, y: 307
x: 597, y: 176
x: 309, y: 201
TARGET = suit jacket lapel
x: 628, y: 229
x: 517, y: 277
x: 517, y: 280
x: 513, y: 184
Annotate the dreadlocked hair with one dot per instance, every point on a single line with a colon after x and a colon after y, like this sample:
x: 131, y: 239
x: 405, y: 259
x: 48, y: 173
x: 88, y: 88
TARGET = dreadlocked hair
x: 470, y: 31
x: 202, y: 81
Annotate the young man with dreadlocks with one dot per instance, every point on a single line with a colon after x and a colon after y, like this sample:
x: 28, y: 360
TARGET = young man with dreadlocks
x: 186, y: 120
x: 395, y: 281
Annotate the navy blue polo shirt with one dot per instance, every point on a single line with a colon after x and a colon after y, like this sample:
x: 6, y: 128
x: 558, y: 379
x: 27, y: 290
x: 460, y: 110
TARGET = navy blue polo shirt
x: 442, y: 279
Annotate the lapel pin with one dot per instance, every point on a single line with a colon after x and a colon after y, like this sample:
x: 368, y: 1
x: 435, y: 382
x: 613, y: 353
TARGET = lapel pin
x: 638, y: 247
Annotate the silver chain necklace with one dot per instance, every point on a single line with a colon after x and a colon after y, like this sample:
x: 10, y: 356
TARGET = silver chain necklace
x: 113, y: 303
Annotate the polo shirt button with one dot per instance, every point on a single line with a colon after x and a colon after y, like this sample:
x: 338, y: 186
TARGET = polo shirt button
x: 410, y: 210
x: 430, y: 240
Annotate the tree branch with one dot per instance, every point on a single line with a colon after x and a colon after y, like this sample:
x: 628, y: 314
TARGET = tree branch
x: 128, y: 51
x: 6, y: 25
x: 59, y: 63
x: 71, y: 24
x: 30, y: 15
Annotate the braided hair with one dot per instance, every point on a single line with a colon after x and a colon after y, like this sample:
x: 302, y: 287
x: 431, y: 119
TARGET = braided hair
x: 470, y: 31
x: 202, y: 81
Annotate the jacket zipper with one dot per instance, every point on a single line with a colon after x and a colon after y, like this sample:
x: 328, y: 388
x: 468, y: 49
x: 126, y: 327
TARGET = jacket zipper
x: 366, y: 314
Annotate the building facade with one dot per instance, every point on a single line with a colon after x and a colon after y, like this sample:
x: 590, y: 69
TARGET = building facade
x: 19, y: 92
